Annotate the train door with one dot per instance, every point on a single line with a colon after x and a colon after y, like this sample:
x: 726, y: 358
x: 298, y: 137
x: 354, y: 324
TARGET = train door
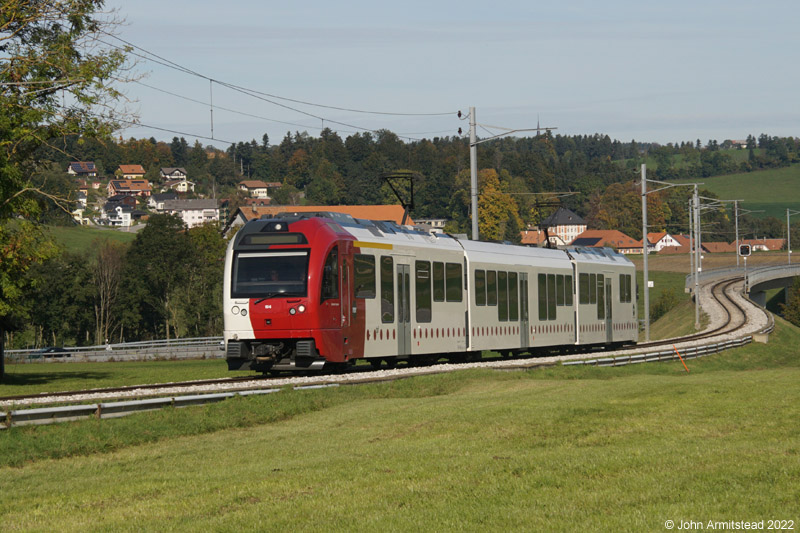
x: 609, y: 306
x: 524, y: 323
x: 403, y: 310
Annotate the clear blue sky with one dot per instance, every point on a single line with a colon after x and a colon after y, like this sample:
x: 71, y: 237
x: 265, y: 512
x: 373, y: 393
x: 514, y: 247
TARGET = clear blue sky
x: 650, y: 71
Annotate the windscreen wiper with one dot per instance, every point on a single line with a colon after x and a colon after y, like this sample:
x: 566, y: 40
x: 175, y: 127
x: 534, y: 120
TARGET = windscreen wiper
x: 267, y: 297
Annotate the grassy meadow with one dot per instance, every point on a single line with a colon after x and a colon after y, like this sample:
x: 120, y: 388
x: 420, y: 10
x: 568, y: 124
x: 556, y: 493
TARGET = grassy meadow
x: 83, y: 239
x: 556, y: 449
x: 772, y: 191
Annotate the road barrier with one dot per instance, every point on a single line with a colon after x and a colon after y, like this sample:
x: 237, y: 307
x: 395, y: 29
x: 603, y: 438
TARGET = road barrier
x: 173, y: 349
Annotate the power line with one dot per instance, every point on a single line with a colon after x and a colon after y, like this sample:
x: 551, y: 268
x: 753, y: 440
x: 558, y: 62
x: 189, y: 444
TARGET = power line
x: 266, y: 96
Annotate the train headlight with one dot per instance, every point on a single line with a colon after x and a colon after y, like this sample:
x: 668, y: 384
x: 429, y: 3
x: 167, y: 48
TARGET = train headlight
x: 292, y: 311
x: 235, y: 310
x: 301, y: 308
x: 244, y: 312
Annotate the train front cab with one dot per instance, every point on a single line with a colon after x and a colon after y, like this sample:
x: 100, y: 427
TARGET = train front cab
x: 288, y: 296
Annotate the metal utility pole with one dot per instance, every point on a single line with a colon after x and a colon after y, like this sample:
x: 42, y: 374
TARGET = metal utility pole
x: 736, y: 217
x: 644, y: 256
x: 697, y: 265
x: 473, y: 161
x: 645, y: 192
x: 691, y: 238
x: 473, y: 172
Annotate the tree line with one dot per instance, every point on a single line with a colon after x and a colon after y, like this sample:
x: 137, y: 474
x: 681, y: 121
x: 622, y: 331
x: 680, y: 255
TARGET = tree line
x: 167, y: 283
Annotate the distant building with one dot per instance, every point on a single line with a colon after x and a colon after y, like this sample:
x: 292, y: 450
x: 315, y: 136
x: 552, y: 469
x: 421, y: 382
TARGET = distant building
x: 255, y: 188
x: 131, y: 172
x: 156, y: 201
x: 129, y: 187
x: 193, y: 212
x: 435, y: 225
x: 597, y: 238
x: 178, y: 186
x: 764, y: 244
x: 565, y: 224
x: 84, y: 169
x: 536, y: 237
x: 173, y: 173
x: 392, y: 213
x: 659, y: 241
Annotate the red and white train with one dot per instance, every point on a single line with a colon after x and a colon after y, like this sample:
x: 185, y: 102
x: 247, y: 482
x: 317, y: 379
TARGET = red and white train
x: 310, y: 289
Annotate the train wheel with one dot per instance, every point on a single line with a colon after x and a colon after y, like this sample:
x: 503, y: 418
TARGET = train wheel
x: 376, y: 363
x: 391, y: 362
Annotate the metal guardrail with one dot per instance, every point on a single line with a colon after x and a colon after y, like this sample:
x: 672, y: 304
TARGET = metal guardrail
x: 664, y: 355
x: 52, y: 415
x: 190, y: 348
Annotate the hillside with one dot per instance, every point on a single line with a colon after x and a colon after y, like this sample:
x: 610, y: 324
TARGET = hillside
x: 772, y: 191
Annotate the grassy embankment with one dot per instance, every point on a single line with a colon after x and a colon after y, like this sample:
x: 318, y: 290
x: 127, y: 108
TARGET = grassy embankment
x: 556, y: 449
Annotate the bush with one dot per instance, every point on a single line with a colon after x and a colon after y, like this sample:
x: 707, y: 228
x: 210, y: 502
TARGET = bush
x: 665, y: 302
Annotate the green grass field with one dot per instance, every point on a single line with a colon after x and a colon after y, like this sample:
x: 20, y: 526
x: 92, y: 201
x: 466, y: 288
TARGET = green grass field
x: 83, y: 239
x: 772, y: 190
x: 557, y: 449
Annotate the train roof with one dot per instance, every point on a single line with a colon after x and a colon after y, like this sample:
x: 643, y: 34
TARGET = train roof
x: 479, y: 251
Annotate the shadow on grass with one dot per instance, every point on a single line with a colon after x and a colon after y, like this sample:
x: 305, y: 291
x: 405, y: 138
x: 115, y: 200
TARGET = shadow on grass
x: 40, y: 378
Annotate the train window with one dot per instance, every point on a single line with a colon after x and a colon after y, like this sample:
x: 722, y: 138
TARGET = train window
x: 601, y: 297
x: 330, y: 276
x: 542, y: 297
x: 560, y: 289
x: 624, y: 288
x: 491, y: 287
x: 551, y: 296
x: 438, y: 282
x: 364, y: 278
x: 387, y: 290
x: 267, y: 274
x: 455, y: 290
x: 629, y: 288
x: 480, y: 287
x: 568, y: 288
x: 592, y: 288
x: 422, y: 286
x: 502, y: 296
x: 513, y: 297
x: 583, y: 280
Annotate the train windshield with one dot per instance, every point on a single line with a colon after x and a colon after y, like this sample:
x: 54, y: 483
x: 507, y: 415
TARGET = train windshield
x: 265, y: 274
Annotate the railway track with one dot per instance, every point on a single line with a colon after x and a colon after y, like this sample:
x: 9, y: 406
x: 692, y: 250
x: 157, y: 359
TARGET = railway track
x: 733, y: 316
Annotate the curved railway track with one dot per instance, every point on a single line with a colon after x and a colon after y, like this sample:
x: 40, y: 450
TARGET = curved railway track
x: 735, y: 317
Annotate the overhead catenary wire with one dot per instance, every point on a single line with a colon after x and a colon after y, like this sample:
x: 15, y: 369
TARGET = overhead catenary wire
x: 271, y: 98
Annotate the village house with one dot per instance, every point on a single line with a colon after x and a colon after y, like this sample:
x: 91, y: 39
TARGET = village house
x: 173, y: 173
x: 182, y: 186
x: 193, y: 212
x: 659, y: 241
x: 764, y: 244
x: 84, y: 169
x: 564, y: 224
x: 156, y: 201
x: 131, y: 172
x: 391, y: 213
x: 597, y: 238
x: 536, y: 237
x: 255, y: 188
x: 129, y: 188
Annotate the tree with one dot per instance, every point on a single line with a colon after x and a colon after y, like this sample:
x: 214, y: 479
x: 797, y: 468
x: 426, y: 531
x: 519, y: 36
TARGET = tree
x: 791, y: 309
x: 107, y: 278
x: 51, y: 53
x: 155, y: 268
